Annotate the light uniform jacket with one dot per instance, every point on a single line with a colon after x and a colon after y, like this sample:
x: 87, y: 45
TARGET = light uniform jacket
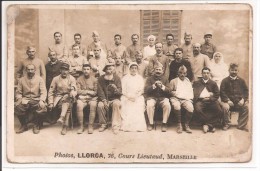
x: 60, y: 87
x: 31, y: 89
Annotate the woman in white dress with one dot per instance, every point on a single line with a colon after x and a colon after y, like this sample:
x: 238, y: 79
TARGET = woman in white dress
x: 219, y: 69
x: 132, y: 100
x: 149, y: 50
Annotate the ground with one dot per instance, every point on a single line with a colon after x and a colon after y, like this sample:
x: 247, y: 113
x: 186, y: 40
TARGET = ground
x: 222, y: 146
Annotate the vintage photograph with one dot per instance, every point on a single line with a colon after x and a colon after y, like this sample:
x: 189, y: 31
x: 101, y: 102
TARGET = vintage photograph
x: 129, y: 83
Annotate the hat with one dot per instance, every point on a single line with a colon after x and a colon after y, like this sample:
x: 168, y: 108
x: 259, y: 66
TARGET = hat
x: 158, y: 65
x: 133, y: 64
x: 112, y: 63
x: 187, y: 33
x: 65, y: 66
x: 151, y: 36
x: 208, y: 33
x: 86, y: 65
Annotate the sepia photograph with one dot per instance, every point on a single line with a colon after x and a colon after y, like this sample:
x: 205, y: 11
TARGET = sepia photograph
x: 129, y: 83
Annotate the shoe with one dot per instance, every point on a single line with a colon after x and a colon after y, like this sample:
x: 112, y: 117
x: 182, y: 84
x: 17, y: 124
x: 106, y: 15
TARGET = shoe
x: 102, y: 128
x: 36, y: 129
x: 150, y: 127
x: 213, y: 130
x: 243, y: 129
x: 164, y: 127
x: 61, y: 120
x: 90, y: 129
x: 225, y: 127
x: 187, y: 128
x: 22, y: 129
x: 205, y: 128
x: 179, y: 128
x: 80, y: 130
x: 64, y: 130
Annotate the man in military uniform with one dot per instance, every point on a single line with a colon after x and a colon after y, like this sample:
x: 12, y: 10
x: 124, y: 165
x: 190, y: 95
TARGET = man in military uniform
x: 59, y: 47
x: 87, y: 96
x: 159, y: 56
x: 30, y: 98
x: 133, y: 48
x: 82, y: 48
x: 157, y: 91
x: 169, y: 47
x: 187, y: 46
x: 38, y: 63
x: 62, y: 95
x: 109, y: 93
x: 207, y: 48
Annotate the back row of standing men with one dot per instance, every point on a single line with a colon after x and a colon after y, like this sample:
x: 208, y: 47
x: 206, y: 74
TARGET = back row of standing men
x: 172, y: 61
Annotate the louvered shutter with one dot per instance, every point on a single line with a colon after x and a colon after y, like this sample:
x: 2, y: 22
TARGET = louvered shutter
x: 160, y: 23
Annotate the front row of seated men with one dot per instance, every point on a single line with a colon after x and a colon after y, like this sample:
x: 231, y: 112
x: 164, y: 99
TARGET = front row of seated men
x: 201, y: 98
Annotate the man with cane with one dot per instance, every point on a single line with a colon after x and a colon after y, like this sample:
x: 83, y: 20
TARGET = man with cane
x: 62, y: 95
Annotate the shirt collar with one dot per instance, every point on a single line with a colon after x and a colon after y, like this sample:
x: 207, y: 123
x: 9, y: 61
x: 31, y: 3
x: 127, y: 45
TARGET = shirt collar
x: 53, y: 63
x: 233, y: 78
x: 205, y: 81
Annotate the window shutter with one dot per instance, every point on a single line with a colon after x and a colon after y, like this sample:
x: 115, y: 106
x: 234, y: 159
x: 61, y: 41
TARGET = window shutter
x: 160, y: 23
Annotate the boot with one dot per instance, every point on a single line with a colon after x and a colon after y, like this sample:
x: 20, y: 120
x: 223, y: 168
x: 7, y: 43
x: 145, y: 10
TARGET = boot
x: 179, y: 128
x: 150, y: 127
x: 164, y: 127
x: 22, y: 129
x: 23, y: 126
x: 90, y: 128
x: 102, y: 128
x: 187, y: 128
x: 64, y: 130
x: 36, y: 129
x: 81, y: 129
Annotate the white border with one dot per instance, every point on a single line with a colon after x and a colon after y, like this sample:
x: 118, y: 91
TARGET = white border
x: 253, y: 165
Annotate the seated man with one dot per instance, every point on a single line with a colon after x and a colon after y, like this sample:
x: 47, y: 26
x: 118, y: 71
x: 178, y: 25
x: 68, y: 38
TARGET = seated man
x: 234, y: 95
x: 87, y: 91
x: 62, y: 95
x: 109, y: 93
x: 182, y: 92
x: 207, y: 107
x: 30, y: 95
x: 157, y: 91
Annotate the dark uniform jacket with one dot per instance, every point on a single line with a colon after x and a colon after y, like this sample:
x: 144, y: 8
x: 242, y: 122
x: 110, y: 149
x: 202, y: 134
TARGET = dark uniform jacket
x: 52, y: 70
x: 157, y: 93
x: 211, y: 86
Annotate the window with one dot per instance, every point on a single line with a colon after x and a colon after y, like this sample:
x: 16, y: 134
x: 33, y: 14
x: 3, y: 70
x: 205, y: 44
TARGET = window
x: 159, y: 24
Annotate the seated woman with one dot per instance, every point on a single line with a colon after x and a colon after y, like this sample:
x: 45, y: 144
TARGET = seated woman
x: 219, y: 69
x: 132, y: 100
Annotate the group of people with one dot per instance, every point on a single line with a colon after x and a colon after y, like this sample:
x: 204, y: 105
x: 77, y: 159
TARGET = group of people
x: 129, y: 82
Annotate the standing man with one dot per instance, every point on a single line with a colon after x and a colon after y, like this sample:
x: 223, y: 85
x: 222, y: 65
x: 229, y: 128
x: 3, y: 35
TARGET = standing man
x: 82, y: 48
x: 120, y: 70
x: 157, y: 91
x: 96, y: 42
x: 52, y: 68
x: 142, y: 66
x: 59, y: 47
x: 30, y: 97
x: 179, y: 61
x: 159, y: 57
x: 76, y: 61
x: 187, y: 47
x: 198, y: 62
x: 39, y: 65
x: 117, y: 49
x: 133, y: 48
x: 168, y: 49
x: 62, y: 95
x: 182, y: 93
x: 234, y: 95
x: 207, y: 47
x: 87, y: 96
x: 109, y: 93
x: 207, y: 107
x: 97, y: 63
